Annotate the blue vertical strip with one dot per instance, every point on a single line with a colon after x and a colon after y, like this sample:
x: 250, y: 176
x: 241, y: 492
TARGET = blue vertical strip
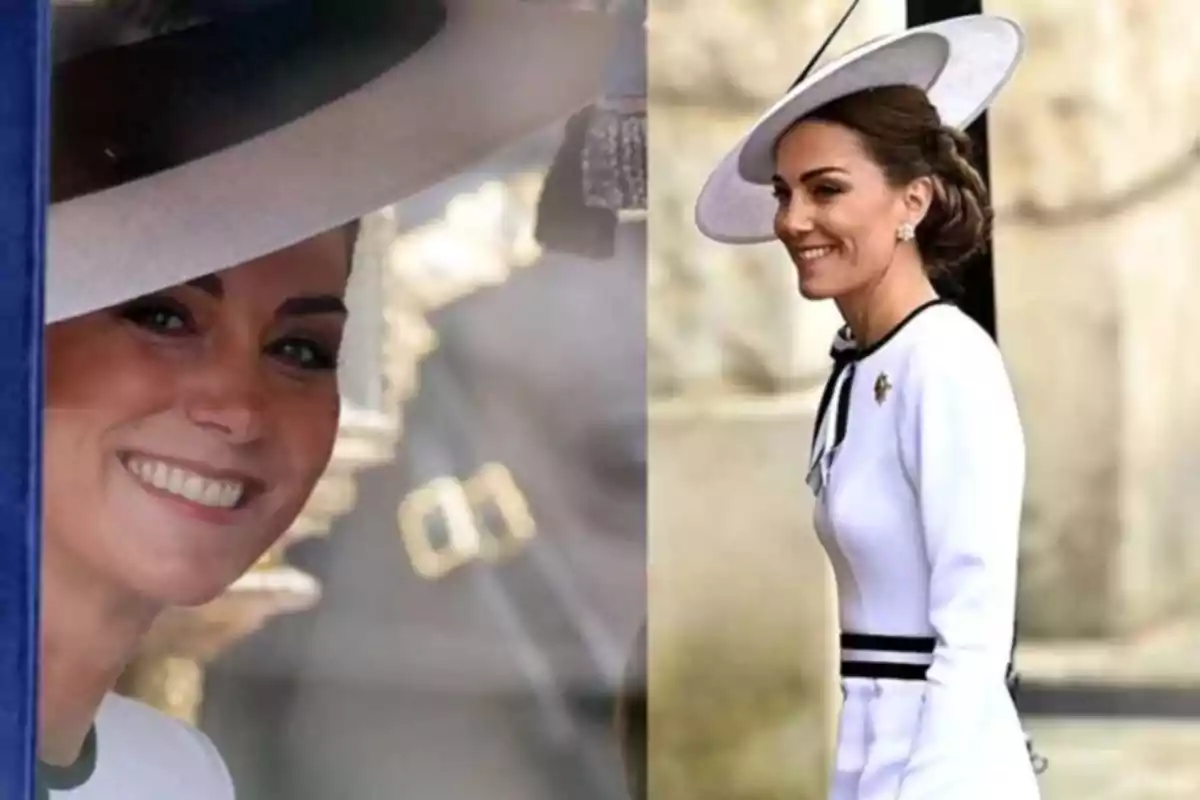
x: 24, y: 140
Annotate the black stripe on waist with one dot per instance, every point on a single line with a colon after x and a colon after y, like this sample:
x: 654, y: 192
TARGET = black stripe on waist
x: 883, y: 670
x: 888, y: 644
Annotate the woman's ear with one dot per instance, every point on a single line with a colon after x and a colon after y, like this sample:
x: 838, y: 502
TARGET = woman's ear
x: 918, y: 196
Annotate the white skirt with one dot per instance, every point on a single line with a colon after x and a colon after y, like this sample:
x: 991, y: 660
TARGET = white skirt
x: 878, y: 725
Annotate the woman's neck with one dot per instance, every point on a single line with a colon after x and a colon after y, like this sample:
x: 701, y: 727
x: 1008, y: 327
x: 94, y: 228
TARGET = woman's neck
x: 875, y: 310
x: 88, y: 637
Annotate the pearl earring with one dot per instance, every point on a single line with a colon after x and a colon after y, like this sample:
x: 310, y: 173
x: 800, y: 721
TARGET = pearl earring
x: 905, y: 232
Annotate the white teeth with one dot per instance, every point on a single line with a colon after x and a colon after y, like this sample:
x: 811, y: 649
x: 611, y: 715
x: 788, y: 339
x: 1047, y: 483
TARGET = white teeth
x: 193, y: 487
x: 212, y: 494
x: 186, y: 484
x: 812, y: 253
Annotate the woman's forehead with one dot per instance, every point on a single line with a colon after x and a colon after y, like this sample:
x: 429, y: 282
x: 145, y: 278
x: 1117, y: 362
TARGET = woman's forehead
x: 816, y: 144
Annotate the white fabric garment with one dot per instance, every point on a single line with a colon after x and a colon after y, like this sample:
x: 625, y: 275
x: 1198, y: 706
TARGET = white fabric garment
x: 142, y: 754
x: 918, y: 507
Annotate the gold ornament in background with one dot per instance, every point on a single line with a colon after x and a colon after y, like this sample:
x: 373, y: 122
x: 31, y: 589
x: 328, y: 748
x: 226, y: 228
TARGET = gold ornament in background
x: 477, y: 243
x: 511, y: 524
x: 169, y: 670
x: 172, y: 684
x: 483, y: 237
x: 447, y: 523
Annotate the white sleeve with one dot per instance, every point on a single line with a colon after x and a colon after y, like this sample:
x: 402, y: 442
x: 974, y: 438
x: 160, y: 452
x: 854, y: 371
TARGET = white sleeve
x: 964, y: 452
x: 221, y: 783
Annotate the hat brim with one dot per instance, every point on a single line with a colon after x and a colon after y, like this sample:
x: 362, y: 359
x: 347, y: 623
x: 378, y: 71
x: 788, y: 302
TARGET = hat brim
x: 497, y: 71
x: 961, y: 63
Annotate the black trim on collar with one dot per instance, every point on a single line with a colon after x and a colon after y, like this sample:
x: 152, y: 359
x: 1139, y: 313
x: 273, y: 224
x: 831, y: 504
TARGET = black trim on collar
x: 844, y: 348
x: 63, y: 779
x: 846, y: 355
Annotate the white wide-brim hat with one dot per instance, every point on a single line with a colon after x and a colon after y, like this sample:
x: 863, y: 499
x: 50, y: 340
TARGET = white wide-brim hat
x: 279, y: 119
x: 961, y: 63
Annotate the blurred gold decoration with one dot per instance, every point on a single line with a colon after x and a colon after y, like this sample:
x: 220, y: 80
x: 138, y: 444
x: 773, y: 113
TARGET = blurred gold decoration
x: 443, y: 500
x: 511, y: 526
x: 169, y: 671
x: 480, y: 240
x: 172, y: 685
x: 447, y: 523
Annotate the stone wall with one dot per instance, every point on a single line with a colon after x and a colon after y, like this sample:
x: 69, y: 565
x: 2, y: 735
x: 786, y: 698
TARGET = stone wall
x: 741, y: 659
x: 1092, y: 151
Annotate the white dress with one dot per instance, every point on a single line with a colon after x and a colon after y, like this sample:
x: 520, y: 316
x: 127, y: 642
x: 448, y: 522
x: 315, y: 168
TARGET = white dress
x: 918, y: 466
x: 142, y: 754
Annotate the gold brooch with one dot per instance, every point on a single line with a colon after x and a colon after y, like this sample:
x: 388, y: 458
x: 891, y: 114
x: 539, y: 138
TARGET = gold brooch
x: 882, y: 387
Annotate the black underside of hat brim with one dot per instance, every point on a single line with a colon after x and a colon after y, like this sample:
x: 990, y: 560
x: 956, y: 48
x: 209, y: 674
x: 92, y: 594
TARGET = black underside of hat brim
x: 124, y: 113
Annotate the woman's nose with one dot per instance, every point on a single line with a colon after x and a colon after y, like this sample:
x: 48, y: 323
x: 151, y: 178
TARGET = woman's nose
x: 795, y: 218
x: 227, y: 396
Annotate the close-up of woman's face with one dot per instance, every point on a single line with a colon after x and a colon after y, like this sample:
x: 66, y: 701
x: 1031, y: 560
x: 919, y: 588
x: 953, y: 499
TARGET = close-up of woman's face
x: 185, y: 430
x: 837, y: 213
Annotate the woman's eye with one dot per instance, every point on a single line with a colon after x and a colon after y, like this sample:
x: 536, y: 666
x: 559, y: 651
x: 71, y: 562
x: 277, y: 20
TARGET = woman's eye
x: 158, y: 317
x: 305, y: 354
x: 826, y: 190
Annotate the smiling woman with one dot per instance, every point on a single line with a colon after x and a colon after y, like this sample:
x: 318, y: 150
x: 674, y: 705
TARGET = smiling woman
x: 184, y: 432
x: 862, y: 172
x: 190, y: 426
x: 198, y: 257
x: 917, y: 459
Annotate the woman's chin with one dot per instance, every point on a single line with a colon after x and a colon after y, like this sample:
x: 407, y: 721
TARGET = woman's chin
x: 814, y: 290
x: 181, y: 587
x: 186, y: 594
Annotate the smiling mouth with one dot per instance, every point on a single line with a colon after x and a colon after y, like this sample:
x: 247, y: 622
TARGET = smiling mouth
x: 806, y: 255
x: 223, y: 493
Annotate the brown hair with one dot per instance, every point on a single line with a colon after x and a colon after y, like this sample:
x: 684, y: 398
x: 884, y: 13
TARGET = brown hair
x: 902, y: 132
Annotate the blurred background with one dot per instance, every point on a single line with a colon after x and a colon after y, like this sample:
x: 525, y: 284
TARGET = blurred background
x: 453, y: 615
x: 1093, y: 155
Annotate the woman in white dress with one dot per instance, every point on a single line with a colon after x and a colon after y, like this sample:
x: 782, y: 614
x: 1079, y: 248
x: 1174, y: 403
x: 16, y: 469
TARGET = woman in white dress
x: 209, y: 160
x: 917, y: 461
